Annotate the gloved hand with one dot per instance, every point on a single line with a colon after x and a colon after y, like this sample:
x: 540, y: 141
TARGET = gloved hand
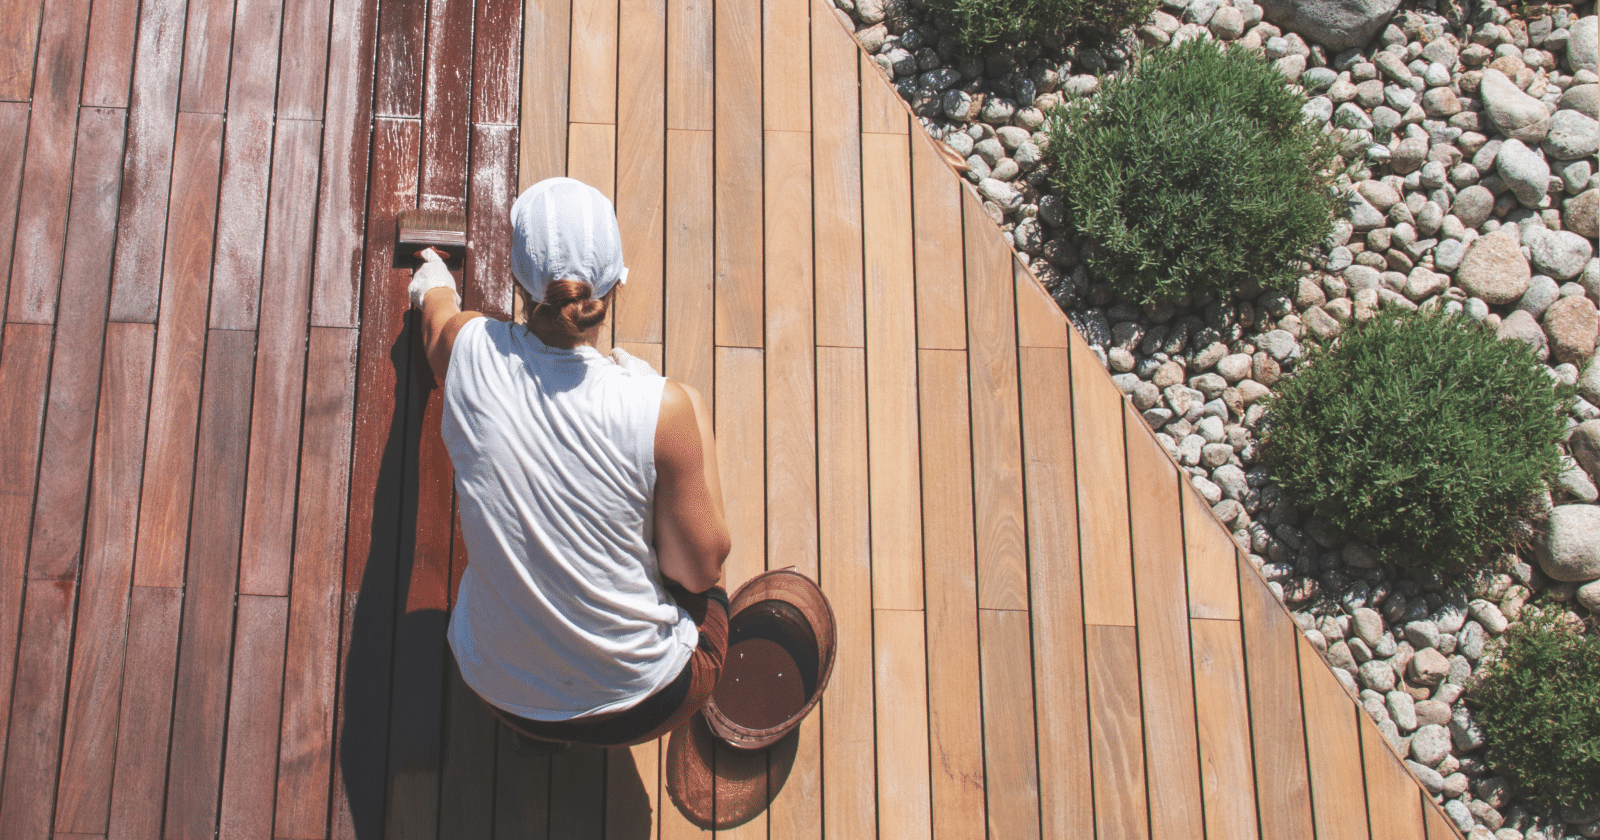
x: 634, y: 365
x: 432, y: 274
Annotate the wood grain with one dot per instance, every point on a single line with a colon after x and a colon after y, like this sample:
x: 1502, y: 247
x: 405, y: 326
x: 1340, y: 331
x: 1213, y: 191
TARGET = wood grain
x: 900, y: 669
x: 593, y: 156
x: 739, y: 198
x: 487, y: 280
x: 1011, y: 769
x: 206, y: 49
x: 1116, y: 732
x: 1060, y: 679
x: 996, y: 426
x: 546, y: 38
x: 641, y: 168
x: 180, y: 348
x: 592, y: 74
x: 1394, y: 800
x: 687, y: 352
x: 1227, y: 772
x: 786, y: 64
x: 741, y: 453
x: 1333, y: 749
x: 303, y: 62
x: 522, y: 792
x: 1212, y: 562
x: 633, y: 787
x: 1277, y: 722
x: 845, y: 574
x: 61, y: 498
x: 836, y: 179
x: 496, y: 39
x: 275, y: 412
x: 1167, y: 675
x: 400, y: 60
x: 447, y: 106
x: 891, y: 375
x: 33, y: 744
x: 255, y: 703
x: 950, y: 578
x: 882, y: 111
x: 1103, y: 536
x: 1040, y: 322
x: 19, y: 42
x: 247, y: 168
x: 89, y: 745
x: 791, y: 433
x: 691, y: 57
x: 13, y: 135
x: 144, y: 722
x: 108, y: 68
x: 348, y: 133
x: 466, y: 789
x: 941, y: 252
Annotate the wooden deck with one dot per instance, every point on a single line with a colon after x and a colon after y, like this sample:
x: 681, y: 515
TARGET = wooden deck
x: 226, y: 519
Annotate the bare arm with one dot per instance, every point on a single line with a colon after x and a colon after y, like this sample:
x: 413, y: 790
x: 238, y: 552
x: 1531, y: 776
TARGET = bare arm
x: 442, y: 317
x: 691, y: 529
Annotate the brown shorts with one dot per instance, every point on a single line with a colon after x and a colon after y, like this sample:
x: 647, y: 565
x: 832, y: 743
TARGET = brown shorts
x: 663, y: 711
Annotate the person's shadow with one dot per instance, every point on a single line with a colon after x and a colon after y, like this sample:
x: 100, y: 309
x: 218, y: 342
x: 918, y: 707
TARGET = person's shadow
x: 417, y: 750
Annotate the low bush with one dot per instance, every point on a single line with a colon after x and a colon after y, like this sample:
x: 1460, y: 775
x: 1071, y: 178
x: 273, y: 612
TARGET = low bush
x: 1538, y: 703
x: 1194, y: 171
x: 1421, y: 434
x: 975, y: 24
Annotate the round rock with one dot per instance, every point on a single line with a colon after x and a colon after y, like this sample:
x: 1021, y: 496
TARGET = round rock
x: 1570, y: 323
x: 1473, y: 206
x: 1428, y: 667
x: 1516, y: 114
x: 1430, y: 744
x: 1524, y: 170
x: 1561, y: 254
x: 1571, y: 548
x: 1572, y: 136
x: 1494, y: 269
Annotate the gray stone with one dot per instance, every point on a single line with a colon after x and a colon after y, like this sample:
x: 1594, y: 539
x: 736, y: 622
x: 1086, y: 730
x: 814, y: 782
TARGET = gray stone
x: 1336, y: 24
x: 1542, y: 291
x: 1589, y: 596
x: 1459, y: 815
x: 1494, y: 268
x: 1422, y: 634
x: 1585, y: 99
x: 1464, y: 733
x: 1488, y: 616
x: 1001, y: 193
x: 1379, y: 194
x: 1582, y: 52
x: 1584, y: 444
x: 1517, y: 115
x: 1572, y: 135
x: 1363, y: 216
x: 1432, y: 712
x: 1570, y: 550
x: 1471, y: 640
x: 1558, y: 253
x: 1571, y: 324
x: 1521, y: 326
x: 1582, y: 214
x: 1367, y: 625
x: 1280, y: 345
x: 1473, y: 206
x: 1430, y: 744
x: 1574, y: 482
x: 1377, y: 675
x: 1589, y: 381
x: 1428, y: 668
x: 1524, y: 170
x: 1431, y: 781
x: 1402, y: 710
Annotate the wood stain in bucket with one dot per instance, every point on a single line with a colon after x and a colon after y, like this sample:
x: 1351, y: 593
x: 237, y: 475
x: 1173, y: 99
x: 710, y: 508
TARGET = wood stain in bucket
x: 771, y: 668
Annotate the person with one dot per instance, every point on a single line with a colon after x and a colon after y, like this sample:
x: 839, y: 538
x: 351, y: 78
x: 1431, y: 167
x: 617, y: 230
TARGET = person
x: 589, y: 495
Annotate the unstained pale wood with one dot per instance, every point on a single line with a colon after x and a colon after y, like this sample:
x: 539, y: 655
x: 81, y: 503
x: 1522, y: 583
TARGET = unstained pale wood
x: 1391, y: 812
x: 546, y: 37
x: 1333, y: 749
x: 593, y: 157
x: 1276, y: 716
x: 1116, y: 733
x: 940, y: 259
x: 1211, y: 560
x: 592, y: 74
x: 1103, y: 536
x: 739, y: 197
x: 786, y: 64
x: 740, y: 431
x: 836, y: 177
x: 641, y: 168
x: 1227, y: 771
x: 691, y: 50
x: 1040, y: 323
x: 882, y: 111
x: 900, y: 669
x: 687, y: 354
x: 1011, y: 770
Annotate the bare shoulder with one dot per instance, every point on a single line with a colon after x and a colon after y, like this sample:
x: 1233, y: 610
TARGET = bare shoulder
x: 677, y: 433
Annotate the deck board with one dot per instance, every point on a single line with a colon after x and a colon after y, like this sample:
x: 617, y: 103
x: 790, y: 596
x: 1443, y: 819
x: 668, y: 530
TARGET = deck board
x: 228, y: 537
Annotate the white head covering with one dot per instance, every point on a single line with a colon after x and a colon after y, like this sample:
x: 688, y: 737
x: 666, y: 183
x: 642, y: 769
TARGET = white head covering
x: 565, y: 229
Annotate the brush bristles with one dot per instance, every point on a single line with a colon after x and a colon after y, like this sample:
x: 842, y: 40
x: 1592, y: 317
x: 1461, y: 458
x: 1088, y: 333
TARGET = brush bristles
x: 444, y: 228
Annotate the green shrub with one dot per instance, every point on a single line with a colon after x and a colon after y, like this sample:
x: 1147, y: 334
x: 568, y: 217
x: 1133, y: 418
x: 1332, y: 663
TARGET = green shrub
x: 1420, y: 434
x: 975, y: 24
x: 1538, y: 703
x: 1194, y: 172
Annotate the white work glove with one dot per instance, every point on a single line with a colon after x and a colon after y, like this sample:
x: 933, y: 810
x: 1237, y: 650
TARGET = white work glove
x: 633, y: 365
x: 432, y: 274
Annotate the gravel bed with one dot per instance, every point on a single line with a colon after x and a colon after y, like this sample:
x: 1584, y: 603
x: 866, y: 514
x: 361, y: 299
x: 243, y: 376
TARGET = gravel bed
x: 1474, y: 187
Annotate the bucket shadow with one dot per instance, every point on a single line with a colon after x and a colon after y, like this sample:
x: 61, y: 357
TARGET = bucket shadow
x: 716, y: 786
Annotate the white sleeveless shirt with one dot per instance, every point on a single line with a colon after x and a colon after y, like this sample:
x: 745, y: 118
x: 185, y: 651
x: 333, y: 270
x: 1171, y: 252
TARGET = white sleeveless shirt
x: 561, y: 611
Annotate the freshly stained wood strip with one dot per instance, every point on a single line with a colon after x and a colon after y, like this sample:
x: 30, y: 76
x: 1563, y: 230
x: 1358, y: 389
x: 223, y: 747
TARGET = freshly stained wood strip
x: 791, y: 432
x: 361, y: 727
x: 592, y: 73
x: 1040, y: 322
x: 1103, y: 538
x: 938, y: 244
x: 740, y: 429
x: 1277, y: 721
x: 61, y: 498
x: 310, y: 679
x: 247, y: 169
x: 844, y: 570
x: 1010, y: 752
x: 113, y: 29
x: 1116, y: 730
x: 1056, y: 603
x: 836, y: 179
x: 19, y: 42
x: 577, y: 783
x: 399, y: 60
x: 786, y: 65
x: 280, y: 363
x: 882, y: 111
x: 47, y: 178
x: 207, y: 43
x: 147, y: 174
x: 1394, y: 807
x: 1227, y: 773
x: 522, y: 791
x: 691, y: 55
x: 1333, y: 749
x: 303, y: 63
x: 255, y: 701
x: 180, y: 346
x: 996, y: 426
x: 1212, y: 564
x: 641, y: 168
x: 24, y: 372
x: 891, y: 375
x: 200, y: 698
x: 466, y: 792
x: 89, y: 744
x: 1167, y: 676
x: 633, y: 786
x: 496, y: 36
x: 739, y: 198
x: 950, y: 578
x: 546, y: 36
x: 900, y: 673
x: 487, y: 281
x: 144, y: 722
x: 33, y: 744
x: 346, y: 140
x: 446, y: 106
x: 690, y: 262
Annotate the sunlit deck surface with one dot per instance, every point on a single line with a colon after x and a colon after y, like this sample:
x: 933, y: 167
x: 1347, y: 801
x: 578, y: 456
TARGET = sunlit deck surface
x: 226, y: 519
